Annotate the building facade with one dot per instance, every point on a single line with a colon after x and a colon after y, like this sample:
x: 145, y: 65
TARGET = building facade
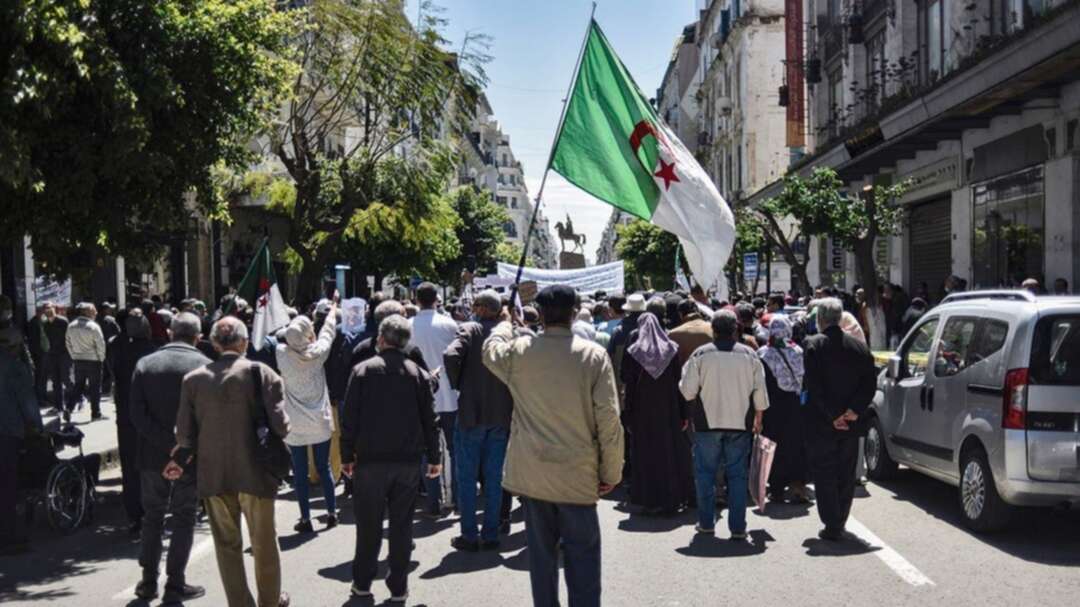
x: 976, y: 106
x: 605, y: 251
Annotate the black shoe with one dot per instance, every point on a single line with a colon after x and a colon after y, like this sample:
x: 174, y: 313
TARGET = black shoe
x: 464, y: 544
x: 489, y: 545
x: 331, y: 521
x: 66, y: 416
x: 433, y: 513
x: 146, y: 590
x: 135, y: 529
x: 303, y: 527
x: 96, y: 417
x: 831, y: 535
x: 504, y: 527
x: 179, y: 594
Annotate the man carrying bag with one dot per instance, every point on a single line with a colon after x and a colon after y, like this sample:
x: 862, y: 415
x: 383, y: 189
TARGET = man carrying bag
x: 234, y: 457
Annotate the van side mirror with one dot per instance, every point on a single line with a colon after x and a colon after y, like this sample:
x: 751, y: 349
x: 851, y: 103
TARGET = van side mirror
x: 893, y: 370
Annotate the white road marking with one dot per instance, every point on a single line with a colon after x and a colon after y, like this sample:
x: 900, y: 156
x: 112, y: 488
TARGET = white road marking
x: 900, y: 565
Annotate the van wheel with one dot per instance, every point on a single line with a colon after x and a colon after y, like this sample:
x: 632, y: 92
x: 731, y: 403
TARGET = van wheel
x: 879, y: 465
x: 983, y: 509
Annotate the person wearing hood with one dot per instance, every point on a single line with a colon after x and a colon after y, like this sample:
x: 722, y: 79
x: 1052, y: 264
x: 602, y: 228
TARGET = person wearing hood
x: 784, y: 372
x: 655, y: 415
x: 307, y: 403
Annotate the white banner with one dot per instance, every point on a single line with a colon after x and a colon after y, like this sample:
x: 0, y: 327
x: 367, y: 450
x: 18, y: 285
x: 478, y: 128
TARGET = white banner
x: 608, y: 277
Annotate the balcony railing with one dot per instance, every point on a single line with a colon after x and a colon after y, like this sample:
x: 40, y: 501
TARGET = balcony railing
x: 832, y: 39
x: 872, y: 9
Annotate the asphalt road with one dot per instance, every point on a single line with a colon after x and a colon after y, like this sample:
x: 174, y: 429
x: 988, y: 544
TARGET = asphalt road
x: 913, y: 550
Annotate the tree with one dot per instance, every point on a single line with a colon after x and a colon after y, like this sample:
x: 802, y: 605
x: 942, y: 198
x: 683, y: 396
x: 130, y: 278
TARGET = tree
x: 112, y: 111
x: 479, y: 230
x: 649, y: 254
x: 854, y: 222
x: 510, y: 252
x: 748, y: 239
x: 373, y: 87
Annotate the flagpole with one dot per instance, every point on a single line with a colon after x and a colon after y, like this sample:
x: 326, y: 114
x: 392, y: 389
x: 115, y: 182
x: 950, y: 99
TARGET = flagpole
x: 551, y: 156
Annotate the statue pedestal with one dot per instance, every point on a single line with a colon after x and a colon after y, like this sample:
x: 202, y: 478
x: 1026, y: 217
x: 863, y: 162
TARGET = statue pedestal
x: 571, y: 261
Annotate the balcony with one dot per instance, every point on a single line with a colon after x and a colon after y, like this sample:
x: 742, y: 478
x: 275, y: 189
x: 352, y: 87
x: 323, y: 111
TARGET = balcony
x: 874, y: 9
x: 832, y: 38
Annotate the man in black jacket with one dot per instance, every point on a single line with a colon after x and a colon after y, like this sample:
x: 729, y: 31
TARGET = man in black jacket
x: 483, y: 423
x: 388, y: 423
x: 125, y: 350
x: 155, y: 400
x: 56, y: 365
x: 840, y: 381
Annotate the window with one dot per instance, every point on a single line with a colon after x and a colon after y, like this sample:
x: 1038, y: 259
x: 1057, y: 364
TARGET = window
x: 875, y: 70
x: 836, y: 102
x: 992, y: 335
x: 510, y: 229
x: 501, y: 200
x: 917, y: 352
x: 513, y: 202
x: 1008, y: 242
x: 953, y: 346
x: 936, y: 38
x: 1055, y: 353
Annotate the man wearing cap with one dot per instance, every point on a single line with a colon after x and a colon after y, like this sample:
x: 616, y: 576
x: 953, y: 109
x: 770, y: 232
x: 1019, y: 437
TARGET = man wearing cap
x: 567, y: 446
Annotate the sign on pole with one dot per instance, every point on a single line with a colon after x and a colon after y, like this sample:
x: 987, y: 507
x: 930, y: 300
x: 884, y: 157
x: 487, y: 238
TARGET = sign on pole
x: 750, y: 266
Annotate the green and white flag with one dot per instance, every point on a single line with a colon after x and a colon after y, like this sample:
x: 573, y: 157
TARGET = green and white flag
x: 614, y: 146
x: 260, y: 289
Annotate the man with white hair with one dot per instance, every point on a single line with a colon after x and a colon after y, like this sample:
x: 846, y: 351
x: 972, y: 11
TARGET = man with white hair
x: 840, y: 382
x: 387, y: 424
x: 216, y: 426
x: 86, y: 346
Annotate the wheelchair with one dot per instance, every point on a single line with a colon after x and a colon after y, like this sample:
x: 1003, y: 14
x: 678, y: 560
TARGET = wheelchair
x: 64, y: 488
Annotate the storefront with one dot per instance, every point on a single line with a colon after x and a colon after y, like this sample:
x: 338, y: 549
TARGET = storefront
x: 930, y: 247
x: 1008, y: 218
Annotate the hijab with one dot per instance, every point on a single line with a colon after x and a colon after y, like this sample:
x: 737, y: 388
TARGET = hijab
x: 299, y: 336
x: 783, y: 358
x: 653, y: 349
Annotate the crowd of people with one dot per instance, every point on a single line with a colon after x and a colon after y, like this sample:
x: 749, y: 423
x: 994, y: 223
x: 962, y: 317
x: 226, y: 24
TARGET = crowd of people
x: 447, y: 406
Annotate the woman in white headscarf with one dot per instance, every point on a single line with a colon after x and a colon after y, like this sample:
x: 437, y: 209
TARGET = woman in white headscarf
x: 307, y: 402
x: 783, y: 362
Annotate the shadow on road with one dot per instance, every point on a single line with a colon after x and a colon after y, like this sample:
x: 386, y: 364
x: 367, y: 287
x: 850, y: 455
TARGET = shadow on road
x: 644, y: 523
x: 709, y: 546
x: 848, y: 547
x: 342, y: 572
x: 1039, y: 535
x: 783, y: 512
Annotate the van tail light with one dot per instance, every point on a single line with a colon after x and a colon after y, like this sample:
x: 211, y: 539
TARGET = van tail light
x: 1016, y: 389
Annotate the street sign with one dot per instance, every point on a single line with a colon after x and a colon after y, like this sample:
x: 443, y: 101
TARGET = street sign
x: 750, y: 266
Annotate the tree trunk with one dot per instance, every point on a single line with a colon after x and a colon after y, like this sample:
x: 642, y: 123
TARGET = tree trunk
x: 867, y: 276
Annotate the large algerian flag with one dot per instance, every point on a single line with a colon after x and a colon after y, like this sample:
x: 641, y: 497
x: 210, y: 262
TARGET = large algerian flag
x: 260, y: 289
x: 614, y: 146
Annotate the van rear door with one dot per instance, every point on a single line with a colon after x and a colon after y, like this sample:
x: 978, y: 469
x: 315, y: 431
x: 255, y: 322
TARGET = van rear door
x: 1052, y: 418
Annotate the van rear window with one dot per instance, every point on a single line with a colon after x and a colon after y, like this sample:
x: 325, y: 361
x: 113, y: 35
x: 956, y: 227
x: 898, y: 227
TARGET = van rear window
x: 1055, y: 353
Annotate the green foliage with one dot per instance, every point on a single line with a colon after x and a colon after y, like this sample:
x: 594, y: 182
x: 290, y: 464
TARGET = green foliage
x: 367, y: 68
x: 479, y: 230
x: 111, y: 111
x: 649, y: 254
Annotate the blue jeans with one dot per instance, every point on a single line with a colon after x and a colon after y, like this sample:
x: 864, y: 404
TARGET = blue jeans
x: 482, y: 447
x: 300, y: 477
x: 447, y: 422
x: 732, y: 449
x: 579, y: 530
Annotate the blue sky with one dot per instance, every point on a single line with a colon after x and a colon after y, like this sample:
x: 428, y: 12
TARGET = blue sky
x: 536, y: 43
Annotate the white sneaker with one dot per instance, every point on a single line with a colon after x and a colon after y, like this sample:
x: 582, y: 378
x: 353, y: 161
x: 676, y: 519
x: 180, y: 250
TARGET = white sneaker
x: 400, y: 599
x: 360, y: 593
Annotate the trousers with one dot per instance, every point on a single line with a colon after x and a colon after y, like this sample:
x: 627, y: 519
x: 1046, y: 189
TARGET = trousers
x: 482, y: 448
x: 159, y: 497
x: 578, y: 529
x: 224, y: 512
x: 833, y: 459
x: 384, y: 490
x: 732, y: 449
x: 88, y: 384
x: 321, y: 459
x: 130, y: 476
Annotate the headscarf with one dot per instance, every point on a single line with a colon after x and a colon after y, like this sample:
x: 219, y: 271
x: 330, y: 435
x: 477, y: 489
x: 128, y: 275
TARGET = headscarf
x: 850, y: 325
x: 299, y: 336
x: 784, y: 359
x: 653, y: 349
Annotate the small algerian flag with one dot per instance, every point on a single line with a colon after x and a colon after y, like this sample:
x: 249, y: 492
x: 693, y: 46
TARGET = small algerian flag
x: 260, y: 289
x: 614, y: 146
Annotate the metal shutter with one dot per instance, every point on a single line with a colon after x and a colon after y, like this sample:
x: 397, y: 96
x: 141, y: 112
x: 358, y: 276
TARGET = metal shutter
x: 931, y: 246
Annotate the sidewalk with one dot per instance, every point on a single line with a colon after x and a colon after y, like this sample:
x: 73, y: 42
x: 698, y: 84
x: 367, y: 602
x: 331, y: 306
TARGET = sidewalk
x: 100, y: 435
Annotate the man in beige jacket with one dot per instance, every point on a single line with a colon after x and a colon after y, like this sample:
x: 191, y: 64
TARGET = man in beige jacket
x: 566, y: 444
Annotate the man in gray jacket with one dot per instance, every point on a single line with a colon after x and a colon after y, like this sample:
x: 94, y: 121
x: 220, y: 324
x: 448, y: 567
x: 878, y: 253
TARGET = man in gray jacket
x: 154, y: 401
x: 86, y: 345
